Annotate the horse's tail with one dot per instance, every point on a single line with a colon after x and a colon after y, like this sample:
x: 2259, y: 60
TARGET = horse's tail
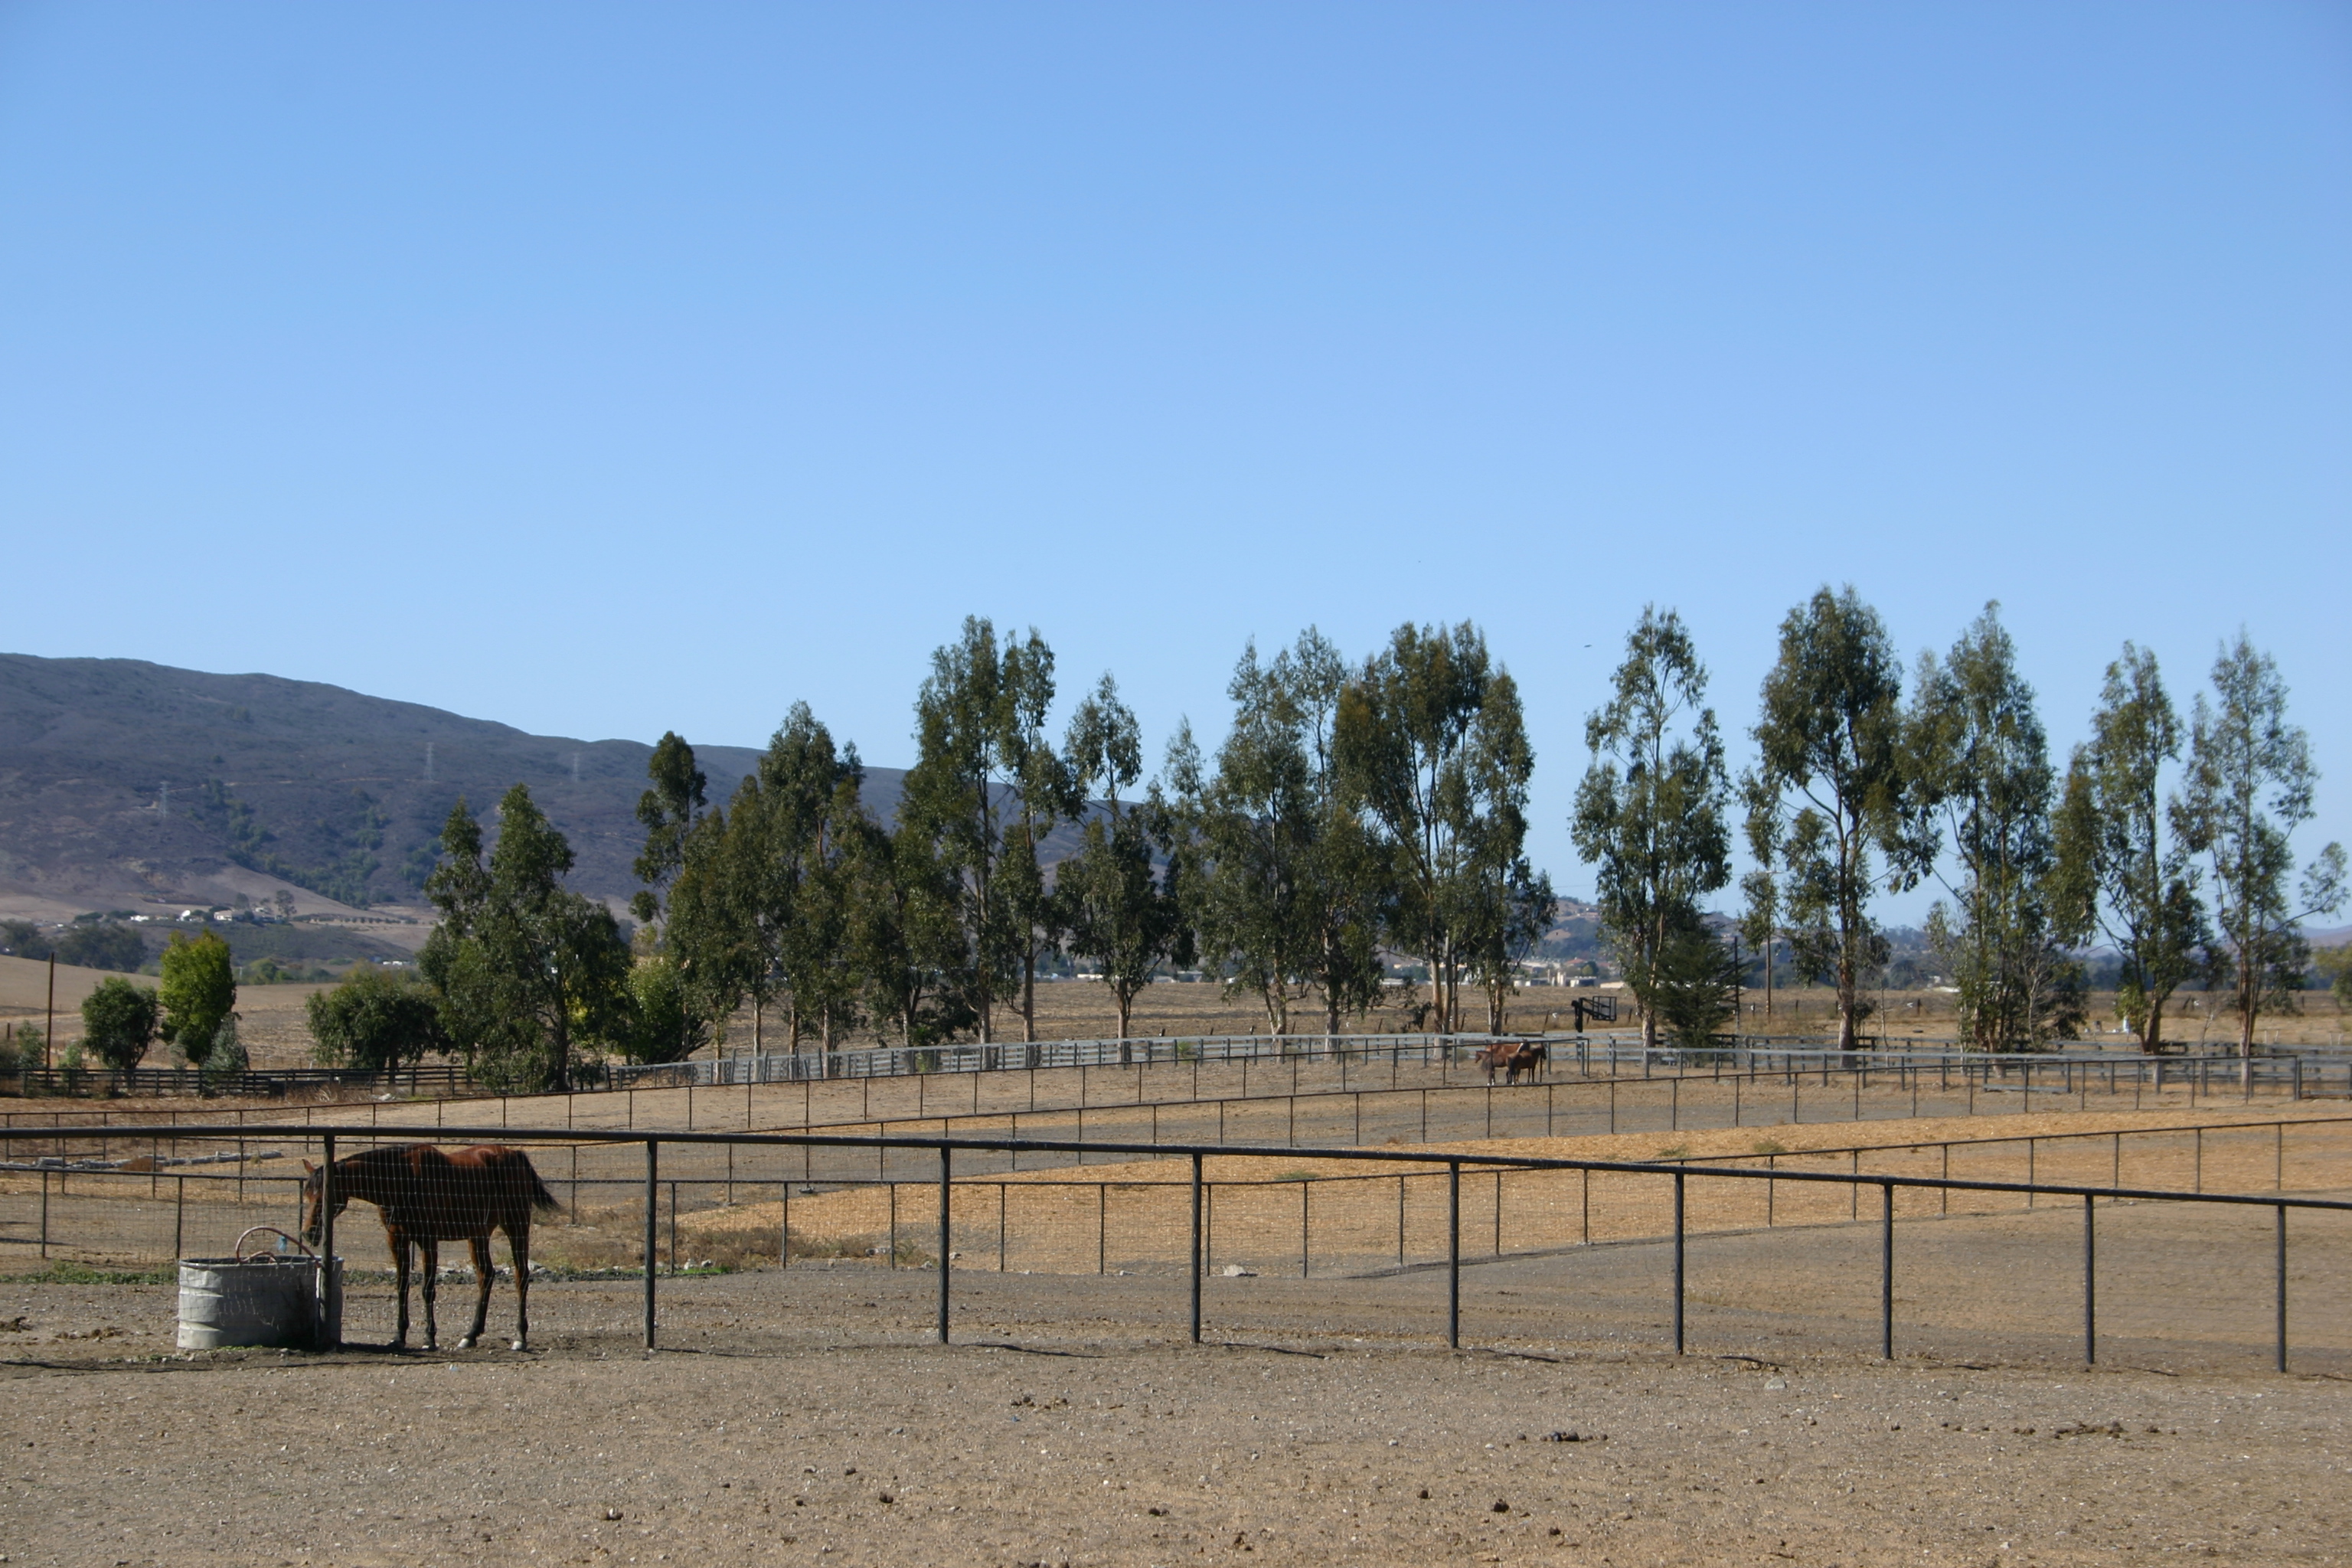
x: 541, y: 1200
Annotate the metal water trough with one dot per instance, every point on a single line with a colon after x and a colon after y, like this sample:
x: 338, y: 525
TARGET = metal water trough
x: 266, y: 1298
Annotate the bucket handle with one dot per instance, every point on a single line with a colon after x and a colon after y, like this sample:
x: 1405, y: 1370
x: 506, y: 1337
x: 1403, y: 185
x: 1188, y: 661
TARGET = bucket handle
x: 269, y: 1230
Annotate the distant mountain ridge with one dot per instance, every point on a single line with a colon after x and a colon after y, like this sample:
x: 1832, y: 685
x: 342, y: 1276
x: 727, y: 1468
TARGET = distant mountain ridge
x: 125, y: 784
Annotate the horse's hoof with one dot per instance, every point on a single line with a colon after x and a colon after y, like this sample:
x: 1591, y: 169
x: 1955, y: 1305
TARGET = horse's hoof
x: 520, y: 1346
x: 466, y: 1343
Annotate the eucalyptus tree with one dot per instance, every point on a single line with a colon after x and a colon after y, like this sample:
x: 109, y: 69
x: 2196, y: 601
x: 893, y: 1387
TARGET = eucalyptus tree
x: 667, y: 812
x: 1117, y: 905
x: 2249, y: 787
x: 906, y: 939
x: 1506, y: 919
x: 1652, y: 813
x: 809, y: 791
x: 1288, y: 889
x: 1255, y: 822
x: 1045, y: 792
x: 525, y: 970
x: 1433, y: 747
x: 1979, y: 773
x: 1760, y: 890
x: 979, y: 723
x: 2124, y: 870
x: 1831, y: 779
x: 724, y: 925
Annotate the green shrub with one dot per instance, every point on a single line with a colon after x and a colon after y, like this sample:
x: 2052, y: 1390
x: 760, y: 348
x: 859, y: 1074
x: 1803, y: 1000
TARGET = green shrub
x: 119, y: 1021
x: 375, y: 1020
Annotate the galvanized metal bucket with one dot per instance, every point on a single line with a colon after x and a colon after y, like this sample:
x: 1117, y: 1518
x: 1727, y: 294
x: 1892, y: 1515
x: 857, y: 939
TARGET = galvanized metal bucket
x: 268, y: 1298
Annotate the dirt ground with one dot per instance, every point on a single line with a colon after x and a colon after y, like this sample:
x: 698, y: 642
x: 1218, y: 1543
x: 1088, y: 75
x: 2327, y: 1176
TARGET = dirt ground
x: 799, y: 1418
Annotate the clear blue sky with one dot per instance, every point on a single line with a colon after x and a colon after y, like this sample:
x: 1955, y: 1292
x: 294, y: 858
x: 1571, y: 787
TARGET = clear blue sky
x: 611, y: 369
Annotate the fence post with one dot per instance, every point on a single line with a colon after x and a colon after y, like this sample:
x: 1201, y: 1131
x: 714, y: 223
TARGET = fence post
x: 2282, y: 1287
x: 784, y: 1226
x: 943, y: 1243
x: 1196, y: 1248
x: 330, y: 1331
x: 180, y: 1219
x: 44, y: 1214
x: 1886, y: 1271
x: 2090, y: 1285
x: 653, y: 1233
x: 1453, y: 1255
x: 1678, y: 1262
x: 1400, y: 1222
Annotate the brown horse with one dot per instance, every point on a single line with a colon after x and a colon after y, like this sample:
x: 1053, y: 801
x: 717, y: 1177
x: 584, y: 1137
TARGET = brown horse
x: 1513, y: 1058
x: 428, y: 1195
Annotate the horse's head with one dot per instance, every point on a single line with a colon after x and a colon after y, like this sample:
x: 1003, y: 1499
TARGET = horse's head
x: 314, y: 1223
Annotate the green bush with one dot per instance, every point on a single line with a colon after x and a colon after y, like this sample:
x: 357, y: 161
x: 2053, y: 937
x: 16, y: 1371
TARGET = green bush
x: 375, y: 1020
x: 224, y: 1056
x: 119, y: 1021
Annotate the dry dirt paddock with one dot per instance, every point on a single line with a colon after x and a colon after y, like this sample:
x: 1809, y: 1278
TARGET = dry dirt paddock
x: 800, y: 1416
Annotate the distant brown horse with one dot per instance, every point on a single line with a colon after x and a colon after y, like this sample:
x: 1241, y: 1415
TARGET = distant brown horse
x: 1513, y: 1058
x: 428, y: 1195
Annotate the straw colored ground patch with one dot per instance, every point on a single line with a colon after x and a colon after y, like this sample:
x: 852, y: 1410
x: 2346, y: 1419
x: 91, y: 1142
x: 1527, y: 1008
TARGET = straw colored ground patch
x: 1298, y: 1214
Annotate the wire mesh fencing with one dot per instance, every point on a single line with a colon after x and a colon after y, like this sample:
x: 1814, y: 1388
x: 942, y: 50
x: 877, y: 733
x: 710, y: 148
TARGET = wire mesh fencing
x: 1363, y: 1233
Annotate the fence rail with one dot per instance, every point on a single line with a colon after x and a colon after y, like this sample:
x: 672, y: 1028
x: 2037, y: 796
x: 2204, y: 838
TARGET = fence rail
x: 1766, y: 1052
x: 440, y: 1078
x: 2297, y: 1072
x: 1375, y: 1164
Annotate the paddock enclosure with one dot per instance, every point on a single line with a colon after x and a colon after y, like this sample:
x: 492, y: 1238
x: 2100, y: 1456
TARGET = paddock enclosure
x: 2034, y: 1230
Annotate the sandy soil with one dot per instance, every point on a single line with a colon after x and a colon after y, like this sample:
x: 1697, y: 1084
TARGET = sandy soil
x: 801, y: 1419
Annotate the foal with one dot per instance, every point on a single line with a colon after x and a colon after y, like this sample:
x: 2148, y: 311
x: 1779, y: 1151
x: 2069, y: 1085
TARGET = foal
x: 428, y: 1195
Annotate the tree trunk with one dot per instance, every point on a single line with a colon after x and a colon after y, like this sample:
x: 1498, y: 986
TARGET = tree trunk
x: 1125, y: 1001
x: 1029, y: 996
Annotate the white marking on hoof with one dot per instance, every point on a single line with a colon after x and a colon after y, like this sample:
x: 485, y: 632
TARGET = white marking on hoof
x: 466, y: 1343
x: 520, y: 1346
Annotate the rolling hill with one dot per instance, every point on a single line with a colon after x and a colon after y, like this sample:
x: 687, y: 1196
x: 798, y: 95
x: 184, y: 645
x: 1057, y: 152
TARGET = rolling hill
x: 129, y: 785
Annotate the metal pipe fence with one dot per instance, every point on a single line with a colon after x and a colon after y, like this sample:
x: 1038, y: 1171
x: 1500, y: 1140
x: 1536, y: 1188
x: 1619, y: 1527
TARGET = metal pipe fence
x: 1618, y: 1051
x: 1836, y: 1084
x: 2294, y: 1069
x: 1190, y: 1220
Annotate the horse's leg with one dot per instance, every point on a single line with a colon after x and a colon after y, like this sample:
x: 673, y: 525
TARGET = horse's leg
x: 519, y: 1241
x: 483, y: 1274
x: 399, y: 1271
x: 430, y: 1252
